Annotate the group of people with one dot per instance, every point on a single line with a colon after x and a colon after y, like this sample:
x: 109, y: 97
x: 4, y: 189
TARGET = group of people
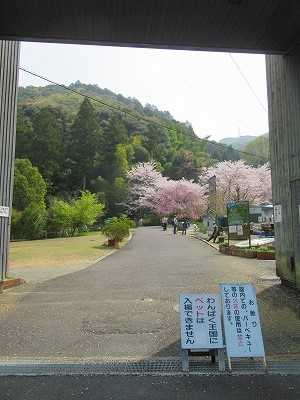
x: 178, y: 225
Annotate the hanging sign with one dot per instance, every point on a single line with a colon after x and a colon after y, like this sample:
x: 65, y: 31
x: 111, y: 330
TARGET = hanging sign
x: 200, y: 320
x: 241, y: 321
x: 4, y: 211
x: 277, y: 213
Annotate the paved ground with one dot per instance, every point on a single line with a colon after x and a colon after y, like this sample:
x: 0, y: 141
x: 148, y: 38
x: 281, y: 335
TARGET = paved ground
x: 127, y: 305
x: 149, y: 388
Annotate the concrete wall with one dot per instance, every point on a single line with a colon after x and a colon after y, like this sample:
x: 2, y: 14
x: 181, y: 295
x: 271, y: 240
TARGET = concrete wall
x: 9, y: 58
x: 283, y: 80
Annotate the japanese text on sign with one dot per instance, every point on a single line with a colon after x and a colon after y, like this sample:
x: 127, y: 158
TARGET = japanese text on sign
x: 200, y: 316
x: 232, y: 228
x: 4, y: 211
x: 239, y: 230
x: 241, y: 321
x: 277, y: 213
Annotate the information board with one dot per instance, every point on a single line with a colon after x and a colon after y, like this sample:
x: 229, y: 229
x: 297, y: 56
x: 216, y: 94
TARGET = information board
x: 277, y: 213
x: 241, y: 321
x: 238, y: 212
x: 200, y: 321
x: 239, y: 230
x: 4, y: 211
x: 232, y: 228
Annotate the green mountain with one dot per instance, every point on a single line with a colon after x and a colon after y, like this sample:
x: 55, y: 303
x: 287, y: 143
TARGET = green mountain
x: 85, y: 137
x: 238, y: 143
x: 139, y: 117
x: 258, y: 150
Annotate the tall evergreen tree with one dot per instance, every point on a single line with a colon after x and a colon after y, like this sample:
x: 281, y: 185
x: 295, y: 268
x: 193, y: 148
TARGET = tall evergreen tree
x: 184, y: 165
x: 46, y: 149
x: 24, y: 135
x: 86, y: 141
x: 115, y: 134
x: 157, y: 142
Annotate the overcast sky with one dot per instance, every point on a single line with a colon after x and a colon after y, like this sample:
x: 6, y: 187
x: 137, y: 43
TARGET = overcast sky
x: 203, y: 88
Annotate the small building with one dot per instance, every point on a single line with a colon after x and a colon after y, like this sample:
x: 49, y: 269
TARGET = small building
x: 262, y: 213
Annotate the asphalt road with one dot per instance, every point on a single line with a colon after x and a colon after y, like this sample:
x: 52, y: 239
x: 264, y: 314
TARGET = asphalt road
x: 149, y: 388
x: 127, y: 305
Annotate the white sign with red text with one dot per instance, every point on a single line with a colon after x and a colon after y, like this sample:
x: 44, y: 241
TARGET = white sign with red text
x: 242, y: 329
x: 200, y: 317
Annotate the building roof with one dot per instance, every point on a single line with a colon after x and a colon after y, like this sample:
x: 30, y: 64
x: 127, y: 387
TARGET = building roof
x: 266, y: 26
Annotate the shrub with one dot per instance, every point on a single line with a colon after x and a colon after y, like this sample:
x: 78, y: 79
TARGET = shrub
x: 30, y: 223
x: 29, y: 216
x: 264, y: 249
x: 65, y: 219
x: 59, y: 219
x: 200, y: 227
x: 117, y: 228
x: 128, y: 221
x: 151, y: 220
x: 16, y: 218
x: 85, y: 211
x: 29, y: 185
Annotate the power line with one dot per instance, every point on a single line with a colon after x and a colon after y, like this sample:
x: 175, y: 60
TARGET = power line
x: 137, y: 117
x: 247, y: 82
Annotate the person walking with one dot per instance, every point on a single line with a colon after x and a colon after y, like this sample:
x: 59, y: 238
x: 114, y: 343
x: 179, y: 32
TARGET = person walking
x: 215, y: 233
x: 184, y: 227
x: 175, y: 224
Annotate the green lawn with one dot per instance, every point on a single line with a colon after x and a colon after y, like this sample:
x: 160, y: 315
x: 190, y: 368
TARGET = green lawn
x: 62, y: 252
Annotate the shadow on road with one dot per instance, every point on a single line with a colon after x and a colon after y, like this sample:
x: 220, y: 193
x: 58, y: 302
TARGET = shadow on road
x: 172, y: 350
x: 280, y: 311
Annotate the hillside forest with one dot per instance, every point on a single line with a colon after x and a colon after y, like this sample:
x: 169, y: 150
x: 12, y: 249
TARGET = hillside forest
x: 73, y: 152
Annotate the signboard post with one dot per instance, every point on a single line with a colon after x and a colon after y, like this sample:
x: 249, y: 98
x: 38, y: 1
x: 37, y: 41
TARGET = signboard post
x: 241, y: 321
x: 212, y: 203
x: 238, y: 215
x: 201, y: 327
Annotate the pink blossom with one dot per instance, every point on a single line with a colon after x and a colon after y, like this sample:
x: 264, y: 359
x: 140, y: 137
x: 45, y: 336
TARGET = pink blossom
x: 144, y: 179
x: 238, y: 181
x: 149, y: 189
x: 183, y: 198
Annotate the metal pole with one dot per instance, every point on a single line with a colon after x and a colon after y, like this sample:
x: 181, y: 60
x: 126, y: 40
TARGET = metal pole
x: 227, y: 225
x: 9, y: 60
x: 249, y: 226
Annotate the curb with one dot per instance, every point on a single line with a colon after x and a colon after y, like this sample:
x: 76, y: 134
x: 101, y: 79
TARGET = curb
x: 204, y: 241
x: 150, y: 367
x: 111, y: 252
x: 11, y: 283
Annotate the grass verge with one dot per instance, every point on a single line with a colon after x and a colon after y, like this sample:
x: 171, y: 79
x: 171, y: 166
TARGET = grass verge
x: 60, y: 252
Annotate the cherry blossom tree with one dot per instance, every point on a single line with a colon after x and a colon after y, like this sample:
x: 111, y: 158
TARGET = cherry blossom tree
x: 150, y: 190
x: 144, y: 180
x: 182, y: 198
x: 238, y: 181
